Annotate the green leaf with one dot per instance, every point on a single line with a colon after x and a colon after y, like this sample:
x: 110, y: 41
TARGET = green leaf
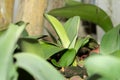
x: 37, y: 67
x: 31, y: 45
x: 66, y: 59
x: 49, y: 49
x: 40, y: 48
x: 108, y: 67
x: 86, y: 12
x: 71, y: 28
x: 59, y: 30
x: 7, y: 45
x: 81, y: 42
x: 111, y: 41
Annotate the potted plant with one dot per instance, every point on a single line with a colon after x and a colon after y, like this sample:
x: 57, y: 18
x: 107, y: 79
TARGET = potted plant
x: 21, y: 53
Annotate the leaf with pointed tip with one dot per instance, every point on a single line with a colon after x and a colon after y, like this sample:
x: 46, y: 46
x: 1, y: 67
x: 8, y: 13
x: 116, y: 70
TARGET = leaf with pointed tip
x: 37, y: 67
x: 59, y: 30
x: 81, y: 42
x: 86, y: 12
x: 71, y: 28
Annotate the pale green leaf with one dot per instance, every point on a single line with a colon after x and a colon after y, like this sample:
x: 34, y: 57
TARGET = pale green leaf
x: 71, y: 28
x: 37, y: 67
x: 59, y: 30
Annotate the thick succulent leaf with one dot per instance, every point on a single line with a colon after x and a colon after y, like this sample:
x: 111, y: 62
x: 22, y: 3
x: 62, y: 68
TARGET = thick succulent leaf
x: 111, y: 41
x: 7, y: 46
x: 71, y: 28
x: 66, y: 59
x: 108, y: 67
x: 31, y: 45
x: 87, y: 12
x: 59, y: 30
x: 37, y: 67
x: 49, y: 49
x: 40, y: 48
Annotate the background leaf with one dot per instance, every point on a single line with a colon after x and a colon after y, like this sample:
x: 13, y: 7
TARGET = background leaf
x: 86, y: 12
x: 37, y: 67
x: 111, y: 41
